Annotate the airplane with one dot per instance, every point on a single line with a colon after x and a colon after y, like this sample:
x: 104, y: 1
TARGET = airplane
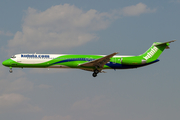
x: 93, y: 63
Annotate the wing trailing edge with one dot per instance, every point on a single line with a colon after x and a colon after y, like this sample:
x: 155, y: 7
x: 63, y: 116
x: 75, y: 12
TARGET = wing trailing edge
x: 99, y: 62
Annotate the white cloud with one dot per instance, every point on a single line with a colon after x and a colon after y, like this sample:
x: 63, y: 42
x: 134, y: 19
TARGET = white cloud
x: 14, y: 82
x: 9, y: 100
x: 62, y: 27
x: 16, y: 103
x: 59, y: 27
x: 6, y: 33
x: 11, y: 85
x: 137, y: 9
x: 19, y: 85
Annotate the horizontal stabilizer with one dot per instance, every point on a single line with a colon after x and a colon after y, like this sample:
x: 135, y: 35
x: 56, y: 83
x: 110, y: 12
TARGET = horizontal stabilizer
x: 155, y: 50
x: 164, y: 43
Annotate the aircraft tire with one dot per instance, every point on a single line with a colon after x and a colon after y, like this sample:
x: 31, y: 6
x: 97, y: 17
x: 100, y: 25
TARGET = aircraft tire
x: 10, y: 71
x: 96, y: 71
x: 94, y: 74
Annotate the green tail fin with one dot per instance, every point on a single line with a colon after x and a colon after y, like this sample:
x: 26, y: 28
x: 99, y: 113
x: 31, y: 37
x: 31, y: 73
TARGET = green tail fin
x: 155, y: 51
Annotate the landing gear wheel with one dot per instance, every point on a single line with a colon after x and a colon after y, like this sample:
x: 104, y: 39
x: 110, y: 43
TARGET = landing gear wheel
x: 96, y: 71
x: 94, y: 74
x: 10, y: 70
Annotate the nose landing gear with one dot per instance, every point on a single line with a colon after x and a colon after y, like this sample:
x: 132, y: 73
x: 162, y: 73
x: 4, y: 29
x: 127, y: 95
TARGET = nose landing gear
x: 10, y: 70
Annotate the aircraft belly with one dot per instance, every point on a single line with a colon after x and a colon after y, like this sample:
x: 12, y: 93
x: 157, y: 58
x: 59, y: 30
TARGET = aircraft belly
x: 58, y: 66
x: 122, y: 66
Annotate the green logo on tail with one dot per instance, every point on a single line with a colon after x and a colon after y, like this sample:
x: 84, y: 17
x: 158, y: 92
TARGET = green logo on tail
x: 151, y: 53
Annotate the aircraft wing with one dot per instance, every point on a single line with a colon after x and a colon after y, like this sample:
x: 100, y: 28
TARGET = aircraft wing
x: 99, y: 63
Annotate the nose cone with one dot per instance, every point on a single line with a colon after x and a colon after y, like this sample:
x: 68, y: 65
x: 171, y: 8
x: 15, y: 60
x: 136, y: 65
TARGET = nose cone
x: 7, y: 62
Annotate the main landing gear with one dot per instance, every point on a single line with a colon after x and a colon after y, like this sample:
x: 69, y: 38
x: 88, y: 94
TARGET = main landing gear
x: 10, y: 70
x: 96, y: 71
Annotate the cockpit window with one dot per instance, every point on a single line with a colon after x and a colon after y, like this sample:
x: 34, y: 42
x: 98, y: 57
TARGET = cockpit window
x: 13, y: 56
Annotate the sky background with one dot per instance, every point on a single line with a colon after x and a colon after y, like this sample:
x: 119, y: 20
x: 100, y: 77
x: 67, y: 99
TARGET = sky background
x: 90, y: 27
